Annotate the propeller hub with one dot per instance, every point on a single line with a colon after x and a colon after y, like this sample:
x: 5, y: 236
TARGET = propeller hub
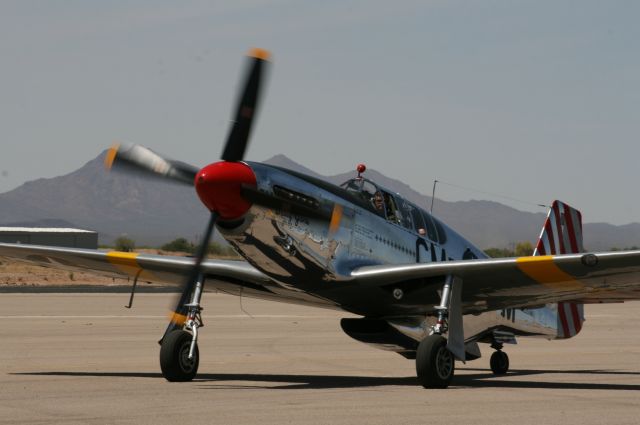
x: 219, y: 188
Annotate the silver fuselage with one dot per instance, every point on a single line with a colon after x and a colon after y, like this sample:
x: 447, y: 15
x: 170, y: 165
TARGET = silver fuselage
x: 316, y: 255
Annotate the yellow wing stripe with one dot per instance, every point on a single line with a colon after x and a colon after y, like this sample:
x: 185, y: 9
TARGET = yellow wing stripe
x: 543, y: 270
x: 127, y: 263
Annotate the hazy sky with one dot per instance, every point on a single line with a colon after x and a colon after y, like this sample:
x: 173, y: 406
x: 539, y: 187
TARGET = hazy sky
x: 535, y: 100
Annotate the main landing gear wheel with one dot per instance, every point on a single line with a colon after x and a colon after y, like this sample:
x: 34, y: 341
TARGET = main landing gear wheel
x: 499, y: 362
x: 174, y: 357
x: 435, y: 364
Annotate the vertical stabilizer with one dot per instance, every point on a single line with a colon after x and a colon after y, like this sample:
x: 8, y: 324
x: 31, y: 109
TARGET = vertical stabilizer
x: 562, y: 231
x: 562, y: 234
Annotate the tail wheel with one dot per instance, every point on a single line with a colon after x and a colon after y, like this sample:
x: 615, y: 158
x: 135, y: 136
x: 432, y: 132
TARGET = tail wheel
x: 174, y: 357
x: 499, y: 363
x: 435, y: 365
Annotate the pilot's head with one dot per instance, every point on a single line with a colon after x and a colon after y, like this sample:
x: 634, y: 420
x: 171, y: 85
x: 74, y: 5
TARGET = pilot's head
x: 378, y: 201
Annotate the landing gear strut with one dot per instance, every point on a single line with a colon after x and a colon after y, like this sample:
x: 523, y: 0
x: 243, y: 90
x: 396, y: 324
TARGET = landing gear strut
x: 435, y: 361
x: 179, y: 354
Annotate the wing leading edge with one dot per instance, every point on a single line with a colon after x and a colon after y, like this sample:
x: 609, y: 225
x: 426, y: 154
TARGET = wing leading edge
x: 233, y: 277
x: 489, y: 284
x: 155, y: 268
x: 493, y: 284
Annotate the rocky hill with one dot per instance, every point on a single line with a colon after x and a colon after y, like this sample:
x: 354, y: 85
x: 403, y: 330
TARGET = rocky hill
x: 150, y: 212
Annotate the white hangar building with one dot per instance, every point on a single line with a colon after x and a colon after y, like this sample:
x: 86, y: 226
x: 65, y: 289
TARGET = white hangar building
x: 52, y: 236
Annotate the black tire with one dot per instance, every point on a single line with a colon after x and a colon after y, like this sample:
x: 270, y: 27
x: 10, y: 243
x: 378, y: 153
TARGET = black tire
x: 435, y: 365
x: 499, y: 363
x: 174, y: 357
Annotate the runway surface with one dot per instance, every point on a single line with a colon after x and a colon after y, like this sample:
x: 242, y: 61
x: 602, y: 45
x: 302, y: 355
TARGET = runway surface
x: 85, y: 359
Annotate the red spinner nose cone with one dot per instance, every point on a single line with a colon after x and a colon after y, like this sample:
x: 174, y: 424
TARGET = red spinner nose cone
x: 219, y: 184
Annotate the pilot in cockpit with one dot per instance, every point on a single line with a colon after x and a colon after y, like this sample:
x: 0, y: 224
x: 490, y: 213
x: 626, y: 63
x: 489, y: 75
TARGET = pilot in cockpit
x: 378, y: 202
x: 384, y: 205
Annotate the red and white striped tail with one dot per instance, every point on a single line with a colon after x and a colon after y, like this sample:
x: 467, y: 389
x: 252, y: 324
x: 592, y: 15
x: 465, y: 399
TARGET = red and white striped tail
x: 562, y: 231
x: 562, y: 234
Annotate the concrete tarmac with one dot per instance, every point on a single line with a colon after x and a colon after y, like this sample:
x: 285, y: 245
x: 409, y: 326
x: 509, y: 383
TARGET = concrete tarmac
x: 85, y: 359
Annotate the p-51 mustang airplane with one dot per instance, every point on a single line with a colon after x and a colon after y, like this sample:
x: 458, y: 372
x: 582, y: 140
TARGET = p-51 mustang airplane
x: 422, y: 290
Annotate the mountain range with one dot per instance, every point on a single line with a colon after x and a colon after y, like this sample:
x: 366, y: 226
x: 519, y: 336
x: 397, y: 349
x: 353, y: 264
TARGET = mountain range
x: 155, y: 212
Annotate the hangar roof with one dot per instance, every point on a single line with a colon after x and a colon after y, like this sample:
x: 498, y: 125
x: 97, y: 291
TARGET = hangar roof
x: 43, y: 230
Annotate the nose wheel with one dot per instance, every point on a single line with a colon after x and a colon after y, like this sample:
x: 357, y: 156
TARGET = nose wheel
x: 179, y: 354
x: 175, y: 362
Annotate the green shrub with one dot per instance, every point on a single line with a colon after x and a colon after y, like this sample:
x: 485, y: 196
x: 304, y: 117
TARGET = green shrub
x: 179, y: 245
x: 125, y: 244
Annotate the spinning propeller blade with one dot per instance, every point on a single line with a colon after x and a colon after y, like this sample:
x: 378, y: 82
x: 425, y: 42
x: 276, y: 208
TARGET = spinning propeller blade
x: 248, y: 103
x: 179, y: 315
x: 140, y: 160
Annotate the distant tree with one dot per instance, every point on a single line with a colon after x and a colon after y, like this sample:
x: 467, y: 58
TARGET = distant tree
x: 179, y: 245
x: 125, y: 244
x: 498, y: 252
x: 183, y: 245
x: 523, y: 249
x: 626, y: 248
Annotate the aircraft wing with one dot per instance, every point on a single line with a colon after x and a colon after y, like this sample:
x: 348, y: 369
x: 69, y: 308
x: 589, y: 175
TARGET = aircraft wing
x: 494, y: 284
x: 233, y: 277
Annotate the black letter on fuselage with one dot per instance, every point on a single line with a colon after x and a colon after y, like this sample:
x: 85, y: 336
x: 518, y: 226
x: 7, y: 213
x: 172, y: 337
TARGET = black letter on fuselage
x: 420, y: 242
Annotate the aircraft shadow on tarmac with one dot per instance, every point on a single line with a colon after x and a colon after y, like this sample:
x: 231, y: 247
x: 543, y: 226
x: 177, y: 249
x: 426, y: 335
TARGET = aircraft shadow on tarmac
x: 481, y: 379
